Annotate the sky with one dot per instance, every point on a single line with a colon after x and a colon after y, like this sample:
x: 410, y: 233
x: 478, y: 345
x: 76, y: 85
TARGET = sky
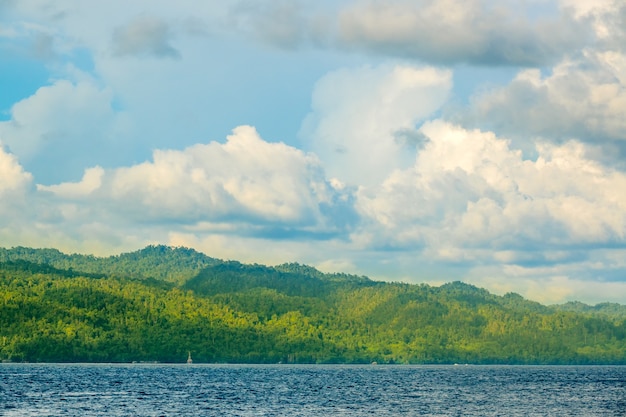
x: 422, y: 141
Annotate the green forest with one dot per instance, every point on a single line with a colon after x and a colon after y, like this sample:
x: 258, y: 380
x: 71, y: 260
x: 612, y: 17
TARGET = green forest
x: 160, y: 303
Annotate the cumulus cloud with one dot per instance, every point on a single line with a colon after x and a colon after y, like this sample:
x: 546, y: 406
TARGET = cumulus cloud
x: 471, y: 197
x: 583, y: 99
x: 145, y: 36
x: 63, y: 127
x: 240, y: 194
x: 269, y: 187
x: 363, y: 120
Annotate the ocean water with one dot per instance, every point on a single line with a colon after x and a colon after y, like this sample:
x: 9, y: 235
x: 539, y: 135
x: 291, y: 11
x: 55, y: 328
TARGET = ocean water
x: 316, y: 390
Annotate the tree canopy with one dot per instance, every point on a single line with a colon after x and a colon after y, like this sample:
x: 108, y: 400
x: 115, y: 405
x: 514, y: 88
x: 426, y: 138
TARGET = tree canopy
x: 159, y: 303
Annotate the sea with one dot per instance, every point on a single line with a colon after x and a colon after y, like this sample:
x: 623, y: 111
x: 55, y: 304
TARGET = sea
x: 310, y: 390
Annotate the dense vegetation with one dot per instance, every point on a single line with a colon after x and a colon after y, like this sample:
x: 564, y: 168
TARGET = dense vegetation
x: 159, y: 303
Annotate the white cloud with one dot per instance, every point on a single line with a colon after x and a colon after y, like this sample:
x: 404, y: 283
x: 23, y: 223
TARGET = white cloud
x: 92, y: 180
x: 583, y: 99
x: 244, y: 181
x: 362, y: 119
x: 470, y: 197
x: 13, y: 178
x: 63, y: 127
x: 16, y: 207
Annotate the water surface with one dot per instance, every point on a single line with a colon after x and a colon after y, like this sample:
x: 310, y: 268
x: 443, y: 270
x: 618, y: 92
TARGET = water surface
x: 316, y: 390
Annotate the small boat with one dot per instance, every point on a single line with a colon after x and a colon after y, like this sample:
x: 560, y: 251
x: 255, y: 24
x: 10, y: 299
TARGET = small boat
x: 189, y: 360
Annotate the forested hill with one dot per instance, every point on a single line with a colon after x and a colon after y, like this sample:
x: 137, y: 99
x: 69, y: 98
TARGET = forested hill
x: 160, y: 303
x: 159, y: 262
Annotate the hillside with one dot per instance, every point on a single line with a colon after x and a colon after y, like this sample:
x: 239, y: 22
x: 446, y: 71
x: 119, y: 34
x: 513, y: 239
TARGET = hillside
x: 159, y: 262
x: 158, y: 303
x: 608, y: 310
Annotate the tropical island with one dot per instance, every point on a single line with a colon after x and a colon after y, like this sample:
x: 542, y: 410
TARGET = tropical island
x: 167, y: 304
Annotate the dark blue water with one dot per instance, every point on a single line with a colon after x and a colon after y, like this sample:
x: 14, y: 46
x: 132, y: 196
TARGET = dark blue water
x: 281, y: 390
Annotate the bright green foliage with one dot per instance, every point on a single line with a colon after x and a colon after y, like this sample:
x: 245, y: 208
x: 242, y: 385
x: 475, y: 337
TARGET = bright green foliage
x: 159, y: 303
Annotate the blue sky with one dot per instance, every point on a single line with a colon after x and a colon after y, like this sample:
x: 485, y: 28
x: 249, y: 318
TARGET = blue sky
x: 406, y: 140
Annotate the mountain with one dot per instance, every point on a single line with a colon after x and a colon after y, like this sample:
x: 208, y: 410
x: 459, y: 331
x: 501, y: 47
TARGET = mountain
x: 158, y: 303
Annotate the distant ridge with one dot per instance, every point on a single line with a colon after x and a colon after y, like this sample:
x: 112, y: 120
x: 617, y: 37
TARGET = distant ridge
x: 172, y: 264
x: 180, y: 264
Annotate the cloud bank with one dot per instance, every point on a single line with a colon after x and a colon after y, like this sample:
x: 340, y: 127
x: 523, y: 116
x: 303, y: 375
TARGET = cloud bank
x: 413, y: 140
x: 475, y: 194
x: 469, y: 198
